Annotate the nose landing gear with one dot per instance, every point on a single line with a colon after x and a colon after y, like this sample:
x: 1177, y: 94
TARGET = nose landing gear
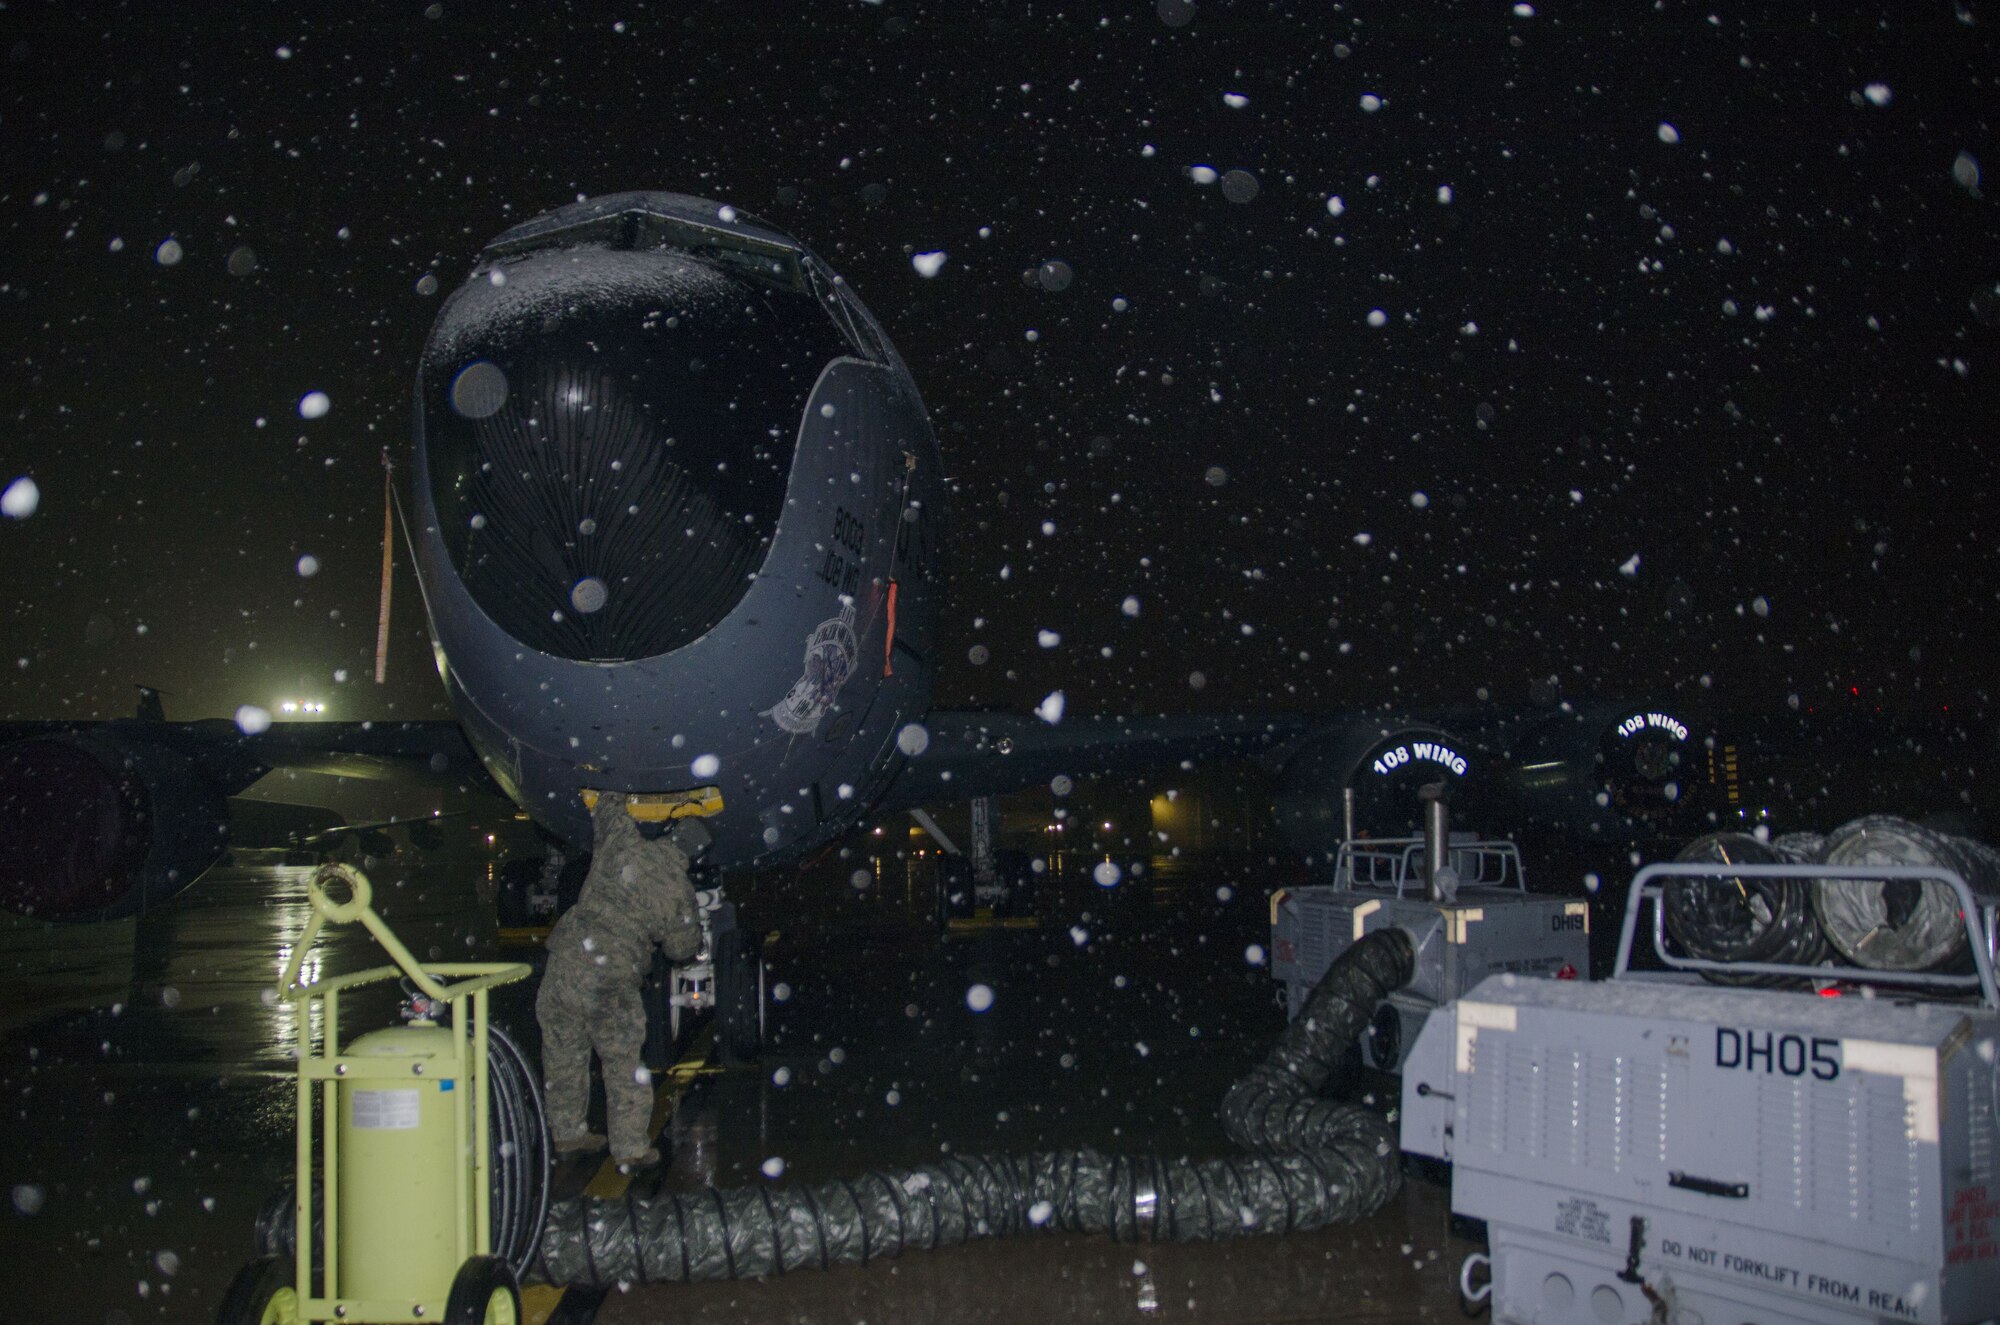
x: 726, y: 977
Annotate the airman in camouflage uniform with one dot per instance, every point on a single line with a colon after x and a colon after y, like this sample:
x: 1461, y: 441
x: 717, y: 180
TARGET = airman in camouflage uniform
x: 637, y: 894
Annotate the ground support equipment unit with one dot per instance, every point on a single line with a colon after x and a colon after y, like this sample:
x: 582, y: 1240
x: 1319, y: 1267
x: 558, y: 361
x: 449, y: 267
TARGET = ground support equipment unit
x: 1490, y: 923
x: 400, y: 1211
x: 1656, y: 1148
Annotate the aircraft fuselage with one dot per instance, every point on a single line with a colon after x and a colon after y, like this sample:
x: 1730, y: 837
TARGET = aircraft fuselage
x: 679, y: 514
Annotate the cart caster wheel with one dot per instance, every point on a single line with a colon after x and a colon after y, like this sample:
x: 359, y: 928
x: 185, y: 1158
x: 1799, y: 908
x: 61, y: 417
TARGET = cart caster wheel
x: 261, y: 1294
x: 484, y: 1292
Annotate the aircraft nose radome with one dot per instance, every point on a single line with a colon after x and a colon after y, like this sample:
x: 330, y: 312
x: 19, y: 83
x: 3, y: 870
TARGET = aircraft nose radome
x: 609, y: 432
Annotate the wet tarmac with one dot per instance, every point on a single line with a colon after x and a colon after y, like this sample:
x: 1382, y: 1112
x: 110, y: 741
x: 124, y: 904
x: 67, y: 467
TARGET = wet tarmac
x: 146, y: 1070
x: 147, y: 1073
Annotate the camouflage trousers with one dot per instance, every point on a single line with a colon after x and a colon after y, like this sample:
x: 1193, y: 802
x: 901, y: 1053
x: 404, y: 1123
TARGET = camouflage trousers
x: 582, y: 1008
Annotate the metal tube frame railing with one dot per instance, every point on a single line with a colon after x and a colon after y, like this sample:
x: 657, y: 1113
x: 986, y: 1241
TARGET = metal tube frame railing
x: 1401, y: 856
x: 463, y: 987
x: 1649, y: 885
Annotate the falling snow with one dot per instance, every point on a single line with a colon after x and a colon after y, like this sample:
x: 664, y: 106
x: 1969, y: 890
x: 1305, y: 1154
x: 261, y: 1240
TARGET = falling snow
x: 21, y: 499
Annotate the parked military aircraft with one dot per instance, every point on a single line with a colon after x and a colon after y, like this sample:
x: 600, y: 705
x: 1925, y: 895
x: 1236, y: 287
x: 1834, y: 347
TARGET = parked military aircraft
x: 679, y: 521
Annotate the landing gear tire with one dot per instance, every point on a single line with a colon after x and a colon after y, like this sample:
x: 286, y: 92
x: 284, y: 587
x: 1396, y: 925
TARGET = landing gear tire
x: 512, y: 903
x: 261, y: 1294
x: 569, y: 884
x: 955, y: 895
x: 1017, y: 878
x: 484, y: 1292
x: 525, y: 897
x: 739, y: 994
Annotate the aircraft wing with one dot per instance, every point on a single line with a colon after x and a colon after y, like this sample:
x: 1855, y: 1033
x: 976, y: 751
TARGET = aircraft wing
x: 990, y: 754
x: 237, y: 758
x: 157, y: 792
x: 328, y: 836
x: 365, y: 749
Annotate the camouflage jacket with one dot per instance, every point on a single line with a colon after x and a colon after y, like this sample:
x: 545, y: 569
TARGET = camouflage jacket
x: 637, y: 894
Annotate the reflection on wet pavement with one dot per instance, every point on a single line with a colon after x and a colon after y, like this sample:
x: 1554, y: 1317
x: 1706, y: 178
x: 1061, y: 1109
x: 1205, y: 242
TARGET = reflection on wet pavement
x: 146, y: 1066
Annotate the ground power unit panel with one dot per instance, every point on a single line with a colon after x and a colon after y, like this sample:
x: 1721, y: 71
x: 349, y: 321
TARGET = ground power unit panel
x: 1645, y: 1152
x: 1484, y: 931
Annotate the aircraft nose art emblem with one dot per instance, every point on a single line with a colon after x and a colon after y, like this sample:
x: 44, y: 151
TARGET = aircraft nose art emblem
x: 830, y: 652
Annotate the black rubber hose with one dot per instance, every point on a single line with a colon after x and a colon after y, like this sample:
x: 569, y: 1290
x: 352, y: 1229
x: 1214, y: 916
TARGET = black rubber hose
x: 1747, y: 919
x: 513, y: 1218
x: 507, y: 1183
x: 1315, y: 1162
x: 521, y: 1152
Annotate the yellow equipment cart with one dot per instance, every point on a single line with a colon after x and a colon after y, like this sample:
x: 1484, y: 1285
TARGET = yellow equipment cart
x: 402, y: 1204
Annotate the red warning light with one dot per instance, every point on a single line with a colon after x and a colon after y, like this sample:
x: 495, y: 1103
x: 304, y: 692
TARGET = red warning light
x: 1831, y: 991
x: 1565, y: 972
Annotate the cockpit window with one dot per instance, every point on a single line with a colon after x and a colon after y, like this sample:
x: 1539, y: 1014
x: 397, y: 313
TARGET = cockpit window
x: 765, y: 261
x: 848, y: 313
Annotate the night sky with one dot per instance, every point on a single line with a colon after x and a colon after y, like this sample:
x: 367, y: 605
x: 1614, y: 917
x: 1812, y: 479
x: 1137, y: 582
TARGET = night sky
x: 1684, y: 378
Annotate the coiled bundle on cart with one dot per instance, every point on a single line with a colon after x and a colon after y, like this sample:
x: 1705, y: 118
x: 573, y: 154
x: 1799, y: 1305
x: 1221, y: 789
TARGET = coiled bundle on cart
x: 1892, y: 925
x: 1901, y: 925
x: 1312, y: 1162
x: 1748, y: 919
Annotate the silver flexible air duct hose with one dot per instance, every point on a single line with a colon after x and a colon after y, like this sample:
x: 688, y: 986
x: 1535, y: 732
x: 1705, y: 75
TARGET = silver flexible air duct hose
x: 1747, y: 920
x: 1900, y: 926
x: 1315, y: 1162
x: 1800, y: 848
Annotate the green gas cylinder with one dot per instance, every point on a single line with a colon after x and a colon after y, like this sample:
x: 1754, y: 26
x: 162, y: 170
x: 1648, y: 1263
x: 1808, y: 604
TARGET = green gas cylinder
x: 402, y: 1180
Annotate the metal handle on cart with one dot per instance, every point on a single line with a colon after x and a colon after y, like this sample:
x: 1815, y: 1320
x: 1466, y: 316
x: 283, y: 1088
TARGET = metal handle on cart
x: 1470, y: 1296
x: 359, y: 906
x: 1649, y: 885
x: 360, y: 893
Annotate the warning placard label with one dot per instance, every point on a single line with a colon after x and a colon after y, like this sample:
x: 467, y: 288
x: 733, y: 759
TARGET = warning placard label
x: 1581, y: 1217
x: 385, y: 1110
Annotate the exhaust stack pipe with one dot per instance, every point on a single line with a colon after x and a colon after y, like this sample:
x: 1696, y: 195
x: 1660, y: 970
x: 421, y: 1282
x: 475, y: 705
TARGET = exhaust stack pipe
x: 1440, y: 879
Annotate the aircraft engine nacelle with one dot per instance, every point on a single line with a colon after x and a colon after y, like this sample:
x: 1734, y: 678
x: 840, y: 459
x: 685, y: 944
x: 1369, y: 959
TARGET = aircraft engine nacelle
x: 1383, y: 762
x: 1604, y: 773
x: 93, y: 827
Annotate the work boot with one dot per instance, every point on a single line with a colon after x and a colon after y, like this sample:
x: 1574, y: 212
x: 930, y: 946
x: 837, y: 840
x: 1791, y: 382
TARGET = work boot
x: 643, y: 1160
x: 570, y: 1147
